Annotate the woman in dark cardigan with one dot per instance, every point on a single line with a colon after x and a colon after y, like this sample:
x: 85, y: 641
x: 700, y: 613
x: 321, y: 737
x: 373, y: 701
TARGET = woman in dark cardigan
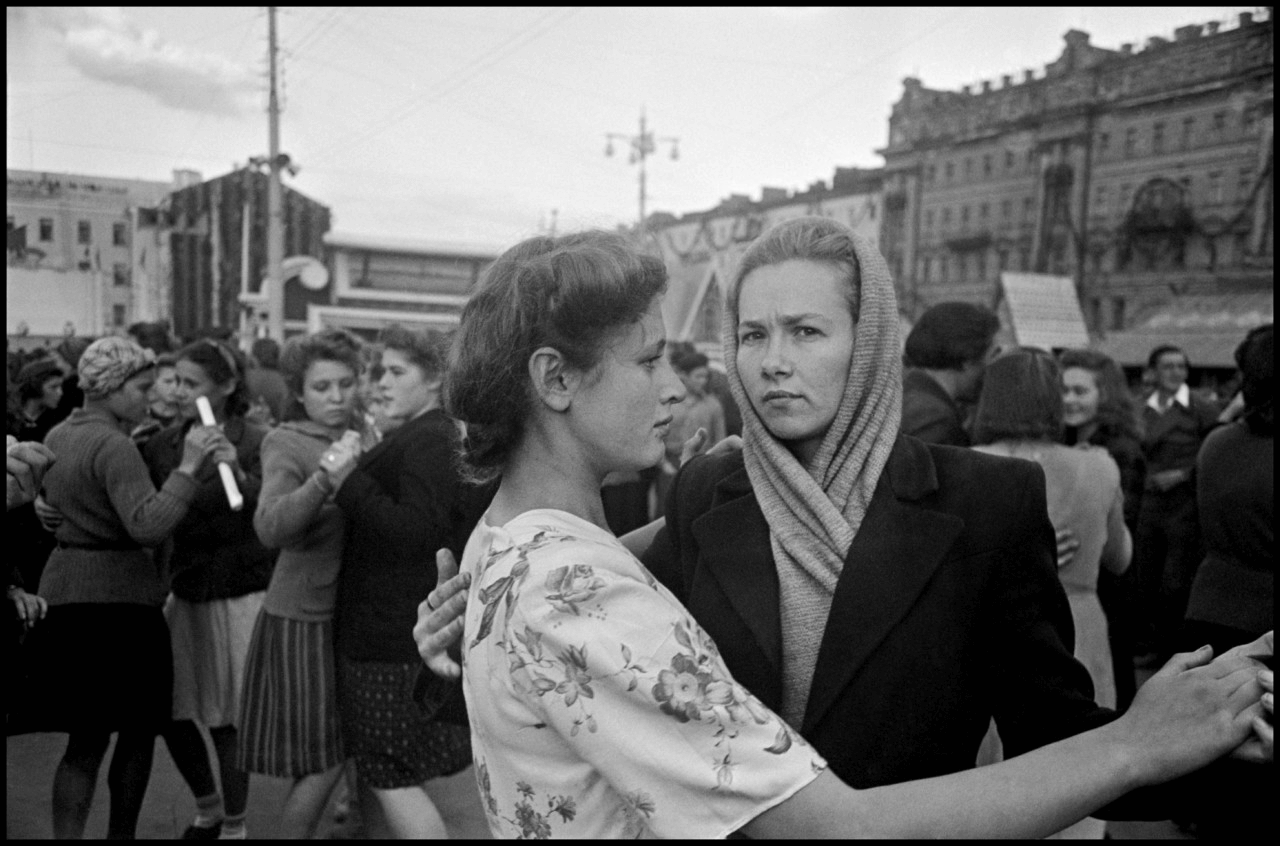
x: 403, y: 500
x: 219, y: 573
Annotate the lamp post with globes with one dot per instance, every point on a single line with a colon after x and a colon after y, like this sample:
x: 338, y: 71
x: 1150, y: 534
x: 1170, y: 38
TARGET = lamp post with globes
x: 642, y: 146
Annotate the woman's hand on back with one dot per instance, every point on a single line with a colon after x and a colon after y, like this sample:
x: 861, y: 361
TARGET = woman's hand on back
x: 438, y: 631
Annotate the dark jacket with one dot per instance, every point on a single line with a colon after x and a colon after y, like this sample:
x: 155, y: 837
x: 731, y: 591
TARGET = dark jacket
x: 929, y: 413
x: 1235, y: 495
x: 404, y: 501
x: 1171, y: 440
x: 215, y: 553
x: 948, y: 612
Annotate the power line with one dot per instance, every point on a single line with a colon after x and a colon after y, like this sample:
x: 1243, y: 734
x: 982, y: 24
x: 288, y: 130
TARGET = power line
x: 456, y: 80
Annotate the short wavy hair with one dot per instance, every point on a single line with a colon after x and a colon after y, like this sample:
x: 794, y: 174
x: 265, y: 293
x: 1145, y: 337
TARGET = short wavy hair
x: 423, y: 347
x: 221, y: 362
x: 1118, y: 414
x: 570, y: 293
x: 949, y: 335
x: 1257, y: 361
x: 1021, y: 398
x: 299, y: 353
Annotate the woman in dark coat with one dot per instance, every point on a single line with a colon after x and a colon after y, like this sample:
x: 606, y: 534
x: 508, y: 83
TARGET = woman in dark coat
x: 1099, y: 410
x: 402, y: 500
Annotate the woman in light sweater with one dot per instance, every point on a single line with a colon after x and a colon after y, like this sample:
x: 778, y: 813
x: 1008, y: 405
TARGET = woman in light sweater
x: 289, y: 713
x: 102, y: 655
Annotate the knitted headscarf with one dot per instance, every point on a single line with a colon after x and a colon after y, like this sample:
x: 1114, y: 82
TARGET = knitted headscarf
x: 814, y: 512
x: 110, y: 362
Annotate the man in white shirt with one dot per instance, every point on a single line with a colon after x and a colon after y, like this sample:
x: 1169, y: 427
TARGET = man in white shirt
x: 1167, y: 546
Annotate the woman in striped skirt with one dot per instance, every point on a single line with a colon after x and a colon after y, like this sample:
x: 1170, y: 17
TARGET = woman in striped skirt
x: 289, y: 718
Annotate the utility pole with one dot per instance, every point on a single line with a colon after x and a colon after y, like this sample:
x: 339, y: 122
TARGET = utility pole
x: 642, y: 146
x: 275, y: 207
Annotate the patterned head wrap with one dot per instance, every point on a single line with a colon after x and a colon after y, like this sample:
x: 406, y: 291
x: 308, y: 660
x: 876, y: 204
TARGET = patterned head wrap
x: 110, y: 362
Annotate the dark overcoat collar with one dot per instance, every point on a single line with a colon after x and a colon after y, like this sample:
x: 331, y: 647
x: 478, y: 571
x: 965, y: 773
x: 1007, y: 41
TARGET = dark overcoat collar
x: 896, y: 551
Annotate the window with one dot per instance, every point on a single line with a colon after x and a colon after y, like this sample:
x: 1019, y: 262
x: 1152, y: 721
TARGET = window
x: 950, y: 170
x: 1249, y: 121
x: 1157, y: 137
x: 1006, y: 209
x: 120, y: 274
x: 1126, y: 191
x: 968, y: 168
x: 946, y: 216
x: 1031, y: 157
x: 964, y: 215
x: 1104, y: 142
x: 1117, y: 313
x: 926, y: 266
x: 1100, y: 200
x: 1188, y: 132
x: 117, y: 315
x: 1130, y: 141
x: 1008, y: 159
x: 982, y: 211
x: 1002, y: 259
x: 986, y: 164
x: 982, y: 265
x: 1215, y: 187
x: 83, y: 232
x: 962, y: 269
x: 1219, y: 122
x: 946, y: 269
x: 1028, y: 205
x: 118, y: 235
x: 46, y: 229
x: 929, y: 173
x: 928, y: 219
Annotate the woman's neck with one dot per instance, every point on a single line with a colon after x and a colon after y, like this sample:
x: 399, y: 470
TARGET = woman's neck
x: 535, y: 478
x: 1086, y: 431
x: 33, y: 408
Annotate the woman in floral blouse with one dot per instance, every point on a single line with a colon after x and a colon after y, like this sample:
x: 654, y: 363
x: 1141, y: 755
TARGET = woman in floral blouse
x: 599, y: 707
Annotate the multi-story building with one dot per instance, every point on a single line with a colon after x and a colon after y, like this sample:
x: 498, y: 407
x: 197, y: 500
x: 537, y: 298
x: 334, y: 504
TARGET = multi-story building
x: 80, y: 257
x: 1143, y: 174
x: 374, y: 281
x: 702, y: 249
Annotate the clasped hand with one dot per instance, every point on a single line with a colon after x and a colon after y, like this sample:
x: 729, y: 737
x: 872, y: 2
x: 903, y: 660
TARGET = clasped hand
x: 340, y: 458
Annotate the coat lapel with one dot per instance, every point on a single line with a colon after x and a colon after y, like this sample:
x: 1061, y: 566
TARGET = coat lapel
x: 733, y: 542
x: 895, y: 553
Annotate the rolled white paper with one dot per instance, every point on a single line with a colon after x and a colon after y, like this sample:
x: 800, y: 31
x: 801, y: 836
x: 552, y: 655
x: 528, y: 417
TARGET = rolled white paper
x: 234, y: 499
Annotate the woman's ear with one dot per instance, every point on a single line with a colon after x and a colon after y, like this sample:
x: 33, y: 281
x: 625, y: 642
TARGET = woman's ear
x: 553, y: 380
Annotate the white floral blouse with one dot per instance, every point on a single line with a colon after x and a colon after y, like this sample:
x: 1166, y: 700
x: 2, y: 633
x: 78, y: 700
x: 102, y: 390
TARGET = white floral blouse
x: 598, y: 706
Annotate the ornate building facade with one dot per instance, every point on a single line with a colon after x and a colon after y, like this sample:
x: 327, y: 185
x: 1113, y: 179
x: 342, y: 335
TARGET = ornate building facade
x: 1144, y: 174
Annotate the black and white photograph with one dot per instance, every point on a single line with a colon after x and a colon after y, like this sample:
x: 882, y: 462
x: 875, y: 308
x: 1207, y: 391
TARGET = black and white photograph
x: 640, y: 422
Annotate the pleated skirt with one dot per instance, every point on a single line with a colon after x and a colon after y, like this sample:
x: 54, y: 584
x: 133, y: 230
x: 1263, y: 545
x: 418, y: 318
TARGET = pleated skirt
x: 289, y: 725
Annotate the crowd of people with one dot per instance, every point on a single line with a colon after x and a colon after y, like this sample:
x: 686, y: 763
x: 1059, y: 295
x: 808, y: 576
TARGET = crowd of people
x: 805, y: 596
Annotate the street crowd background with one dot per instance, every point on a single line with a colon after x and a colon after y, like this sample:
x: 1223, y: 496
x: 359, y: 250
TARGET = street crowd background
x: 1165, y: 462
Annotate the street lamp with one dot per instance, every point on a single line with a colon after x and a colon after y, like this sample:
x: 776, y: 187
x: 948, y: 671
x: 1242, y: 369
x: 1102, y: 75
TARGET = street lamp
x: 641, y: 146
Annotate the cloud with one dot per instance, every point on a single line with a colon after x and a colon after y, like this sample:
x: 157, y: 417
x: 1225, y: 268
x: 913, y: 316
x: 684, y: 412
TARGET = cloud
x: 103, y: 44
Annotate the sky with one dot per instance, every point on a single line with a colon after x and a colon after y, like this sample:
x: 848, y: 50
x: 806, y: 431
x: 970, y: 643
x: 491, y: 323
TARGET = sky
x: 482, y: 125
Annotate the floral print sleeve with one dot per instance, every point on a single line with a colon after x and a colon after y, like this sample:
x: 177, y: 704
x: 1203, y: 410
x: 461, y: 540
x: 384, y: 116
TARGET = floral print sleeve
x: 599, y: 707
